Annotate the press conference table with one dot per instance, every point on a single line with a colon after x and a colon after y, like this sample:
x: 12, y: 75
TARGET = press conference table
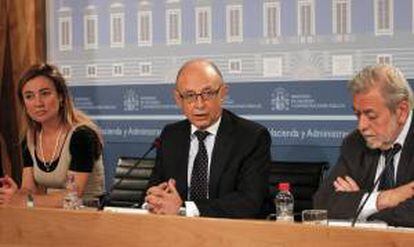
x: 56, y: 227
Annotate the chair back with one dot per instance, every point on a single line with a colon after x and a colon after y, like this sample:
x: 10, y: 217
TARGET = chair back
x: 304, y: 179
x: 130, y: 183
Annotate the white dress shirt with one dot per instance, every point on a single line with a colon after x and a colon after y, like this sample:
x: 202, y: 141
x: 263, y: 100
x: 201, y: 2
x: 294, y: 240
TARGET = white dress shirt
x: 191, y: 207
x: 370, y: 207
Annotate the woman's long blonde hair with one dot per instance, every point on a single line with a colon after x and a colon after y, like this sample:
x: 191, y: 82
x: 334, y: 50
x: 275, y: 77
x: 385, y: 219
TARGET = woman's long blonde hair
x: 68, y: 113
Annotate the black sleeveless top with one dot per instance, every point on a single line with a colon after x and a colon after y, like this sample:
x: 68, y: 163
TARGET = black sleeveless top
x: 85, y: 148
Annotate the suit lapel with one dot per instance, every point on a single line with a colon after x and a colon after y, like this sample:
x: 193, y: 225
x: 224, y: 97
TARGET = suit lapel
x: 221, y: 152
x: 368, y: 159
x: 405, y: 166
x: 371, y: 160
x: 182, y: 145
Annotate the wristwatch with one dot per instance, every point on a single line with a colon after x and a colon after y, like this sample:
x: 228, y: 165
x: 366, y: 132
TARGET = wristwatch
x: 29, y: 201
x: 182, y: 211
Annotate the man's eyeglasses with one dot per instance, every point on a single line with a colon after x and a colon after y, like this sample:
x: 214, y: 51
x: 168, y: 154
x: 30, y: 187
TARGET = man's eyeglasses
x: 205, y: 95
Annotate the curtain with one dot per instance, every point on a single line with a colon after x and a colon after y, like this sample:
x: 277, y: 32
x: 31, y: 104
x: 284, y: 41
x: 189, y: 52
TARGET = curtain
x: 3, y: 24
x: 22, y: 43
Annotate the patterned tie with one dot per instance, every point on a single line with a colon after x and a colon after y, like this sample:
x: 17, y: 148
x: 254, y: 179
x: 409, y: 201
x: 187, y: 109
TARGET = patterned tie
x: 198, y: 189
x: 387, y: 180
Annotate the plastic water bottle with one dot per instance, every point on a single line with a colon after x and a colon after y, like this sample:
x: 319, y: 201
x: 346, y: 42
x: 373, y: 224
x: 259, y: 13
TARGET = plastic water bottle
x: 284, y: 203
x: 71, y: 199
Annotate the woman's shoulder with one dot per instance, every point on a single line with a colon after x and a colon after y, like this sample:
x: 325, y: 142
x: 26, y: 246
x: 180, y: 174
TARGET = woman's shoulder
x: 83, y: 128
x: 84, y: 132
x: 85, y: 139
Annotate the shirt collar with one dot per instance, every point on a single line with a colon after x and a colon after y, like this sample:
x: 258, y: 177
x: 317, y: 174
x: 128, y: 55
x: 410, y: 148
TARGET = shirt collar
x: 212, y: 129
x: 403, y: 134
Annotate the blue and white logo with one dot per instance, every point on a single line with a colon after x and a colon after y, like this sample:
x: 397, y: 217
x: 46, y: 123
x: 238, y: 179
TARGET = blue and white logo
x: 131, y: 100
x: 280, y: 100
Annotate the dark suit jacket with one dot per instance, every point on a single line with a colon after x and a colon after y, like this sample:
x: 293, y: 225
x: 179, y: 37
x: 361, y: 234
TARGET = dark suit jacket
x: 360, y: 163
x: 238, y: 170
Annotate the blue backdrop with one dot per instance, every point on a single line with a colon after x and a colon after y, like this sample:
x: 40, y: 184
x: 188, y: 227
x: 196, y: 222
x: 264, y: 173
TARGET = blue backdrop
x: 286, y: 63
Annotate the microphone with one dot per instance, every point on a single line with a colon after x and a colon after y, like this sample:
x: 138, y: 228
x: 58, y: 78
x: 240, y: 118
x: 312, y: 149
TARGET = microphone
x: 105, y: 198
x: 395, y: 149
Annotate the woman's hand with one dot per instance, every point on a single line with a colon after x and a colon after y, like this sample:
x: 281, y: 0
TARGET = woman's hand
x: 8, y: 188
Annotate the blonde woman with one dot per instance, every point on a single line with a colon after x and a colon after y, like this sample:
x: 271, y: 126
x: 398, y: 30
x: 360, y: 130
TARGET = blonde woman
x: 58, y: 140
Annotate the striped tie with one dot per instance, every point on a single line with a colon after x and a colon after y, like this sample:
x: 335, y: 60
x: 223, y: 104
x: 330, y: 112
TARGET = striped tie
x: 387, y: 180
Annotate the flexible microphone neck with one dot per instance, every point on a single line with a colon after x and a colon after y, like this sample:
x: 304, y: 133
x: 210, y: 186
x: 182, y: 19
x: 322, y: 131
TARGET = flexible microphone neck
x: 106, y: 198
x: 395, y: 149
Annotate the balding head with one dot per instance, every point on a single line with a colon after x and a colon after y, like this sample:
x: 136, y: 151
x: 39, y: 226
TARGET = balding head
x: 200, y: 65
x: 200, y: 92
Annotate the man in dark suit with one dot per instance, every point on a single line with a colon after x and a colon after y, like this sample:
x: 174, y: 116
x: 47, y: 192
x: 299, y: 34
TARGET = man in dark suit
x: 384, y: 141
x: 224, y: 173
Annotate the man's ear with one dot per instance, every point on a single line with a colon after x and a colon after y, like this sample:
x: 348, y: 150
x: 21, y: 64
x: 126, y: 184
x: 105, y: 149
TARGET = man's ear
x: 402, y: 111
x: 177, y: 98
x: 223, y: 92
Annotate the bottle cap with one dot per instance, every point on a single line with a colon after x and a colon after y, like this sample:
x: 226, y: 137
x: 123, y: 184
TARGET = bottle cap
x: 284, y: 186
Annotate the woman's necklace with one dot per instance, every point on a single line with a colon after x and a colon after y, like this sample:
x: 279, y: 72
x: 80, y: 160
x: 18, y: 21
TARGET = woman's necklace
x: 45, y: 163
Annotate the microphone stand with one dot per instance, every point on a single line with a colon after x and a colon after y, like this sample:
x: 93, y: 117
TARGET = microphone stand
x: 394, y: 151
x: 105, y: 198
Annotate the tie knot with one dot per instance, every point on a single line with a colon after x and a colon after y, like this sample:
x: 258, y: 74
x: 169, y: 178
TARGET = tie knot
x: 387, y: 152
x: 392, y: 151
x: 201, y: 135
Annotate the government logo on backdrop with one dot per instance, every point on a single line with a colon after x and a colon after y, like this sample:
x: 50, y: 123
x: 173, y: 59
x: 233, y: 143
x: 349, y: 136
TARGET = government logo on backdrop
x: 280, y: 99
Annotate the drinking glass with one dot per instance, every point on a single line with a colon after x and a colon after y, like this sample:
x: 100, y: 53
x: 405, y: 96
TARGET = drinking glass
x: 315, y: 217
